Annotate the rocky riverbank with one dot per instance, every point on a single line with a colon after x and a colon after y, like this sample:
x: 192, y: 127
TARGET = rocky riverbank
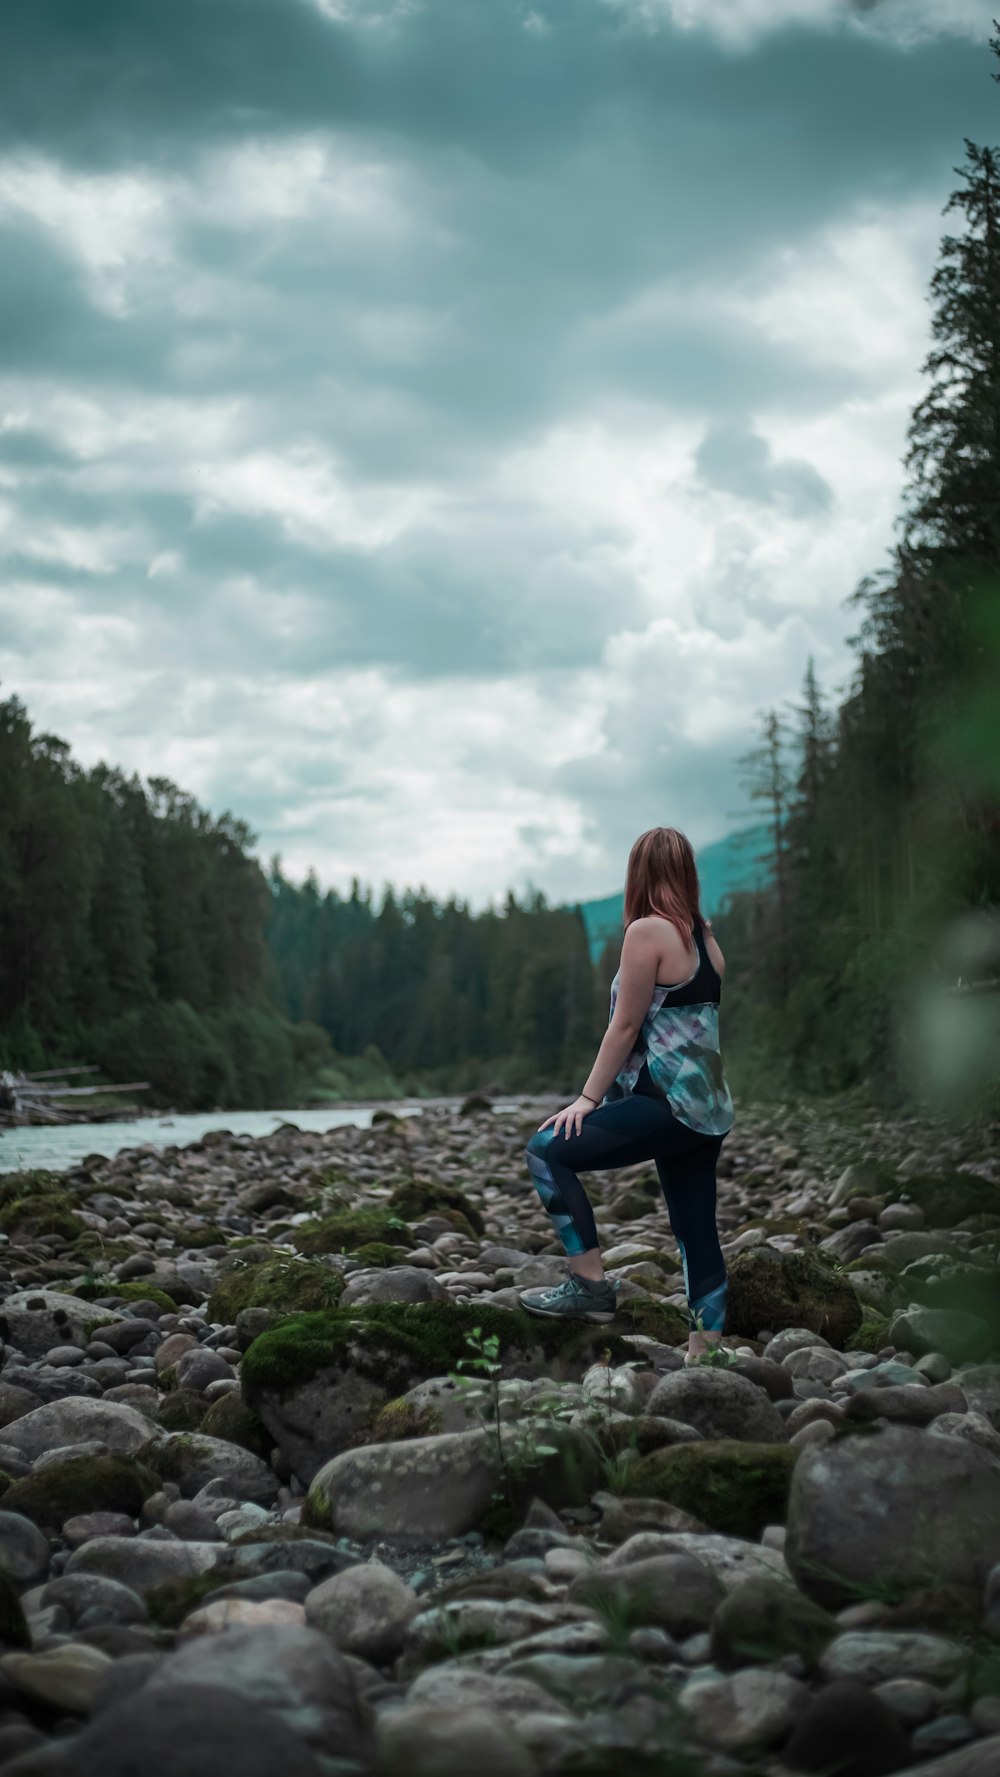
x: 290, y: 1483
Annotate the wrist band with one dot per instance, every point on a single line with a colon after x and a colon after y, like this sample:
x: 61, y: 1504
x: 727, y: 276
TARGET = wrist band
x: 586, y: 1095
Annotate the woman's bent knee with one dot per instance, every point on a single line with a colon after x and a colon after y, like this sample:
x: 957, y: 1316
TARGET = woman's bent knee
x: 538, y: 1143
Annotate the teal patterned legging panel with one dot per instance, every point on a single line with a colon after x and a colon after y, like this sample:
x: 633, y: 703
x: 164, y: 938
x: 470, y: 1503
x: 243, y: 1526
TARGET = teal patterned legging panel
x: 622, y: 1133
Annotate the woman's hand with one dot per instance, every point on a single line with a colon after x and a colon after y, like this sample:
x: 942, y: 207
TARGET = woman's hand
x: 570, y: 1114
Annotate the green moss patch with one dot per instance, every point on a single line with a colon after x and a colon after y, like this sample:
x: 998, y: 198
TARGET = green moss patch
x: 285, y: 1282
x: 417, y: 1198
x: 796, y: 1289
x: 183, y: 1409
x: 124, y: 1292
x: 347, y: 1229
x: 948, y: 1198
x: 231, y: 1419
x: 379, y: 1253
x: 736, y: 1488
x: 170, y: 1603
x: 402, y: 1419
x: 80, y: 1484
x: 872, y: 1334
x: 201, y: 1234
x: 28, y: 1218
x: 408, y: 1340
x: 656, y: 1320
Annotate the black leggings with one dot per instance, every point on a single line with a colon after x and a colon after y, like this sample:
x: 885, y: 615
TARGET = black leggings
x: 620, y: 1134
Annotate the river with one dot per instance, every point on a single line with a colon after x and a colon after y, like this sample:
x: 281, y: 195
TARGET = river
x: 66, y: 1144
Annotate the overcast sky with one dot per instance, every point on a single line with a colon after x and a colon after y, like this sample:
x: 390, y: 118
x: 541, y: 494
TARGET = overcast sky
x: 436, y: 429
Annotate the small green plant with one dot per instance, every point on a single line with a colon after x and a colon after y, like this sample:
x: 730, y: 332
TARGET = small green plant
x: 716, y: 1356
x: 485, y: 1357
x: 618, y: 1465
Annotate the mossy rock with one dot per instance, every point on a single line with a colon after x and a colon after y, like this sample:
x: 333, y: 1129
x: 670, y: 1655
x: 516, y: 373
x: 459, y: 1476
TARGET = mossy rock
x: 872, y: 1178
x: 872, y: 1334
x: 14, y: 1631
x: 874, y: 1258
x: 380, y: 1253
x: 125, y: 1292
x: 948, y: 1198
x: 30, y: 1217
x: 231, y: 1419
x: 417, y: 1198
x: 407, y: 1342
x: 169, y: 1603
x: 91, y: 1247
x: 956, y: 1287
x: 290, y: 1284
x: 347, y: 1229
x: 31, y: 1181
x: 656, y: 1320
x: 198, y: 1236
x: 183, y: 1409
x: 401, y: 1419
x: 770, y: 1225
x: 796, y: 1289
x: 64, y: 1490
x: 733, y: 1487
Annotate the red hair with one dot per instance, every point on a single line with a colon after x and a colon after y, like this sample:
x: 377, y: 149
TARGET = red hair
x: 662, y: 878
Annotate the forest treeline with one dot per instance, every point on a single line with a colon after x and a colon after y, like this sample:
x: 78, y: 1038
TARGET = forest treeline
x: 873, y: 954
x: 138, y: 931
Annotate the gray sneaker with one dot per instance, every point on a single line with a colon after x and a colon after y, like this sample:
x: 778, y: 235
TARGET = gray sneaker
x: 575, y: 1297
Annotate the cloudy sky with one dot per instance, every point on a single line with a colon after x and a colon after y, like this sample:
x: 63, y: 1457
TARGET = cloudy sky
x: 436, y: 429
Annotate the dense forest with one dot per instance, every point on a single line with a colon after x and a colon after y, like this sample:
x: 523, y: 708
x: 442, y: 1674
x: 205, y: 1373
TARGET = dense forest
x: 139, y: 932
x: 873, y: 955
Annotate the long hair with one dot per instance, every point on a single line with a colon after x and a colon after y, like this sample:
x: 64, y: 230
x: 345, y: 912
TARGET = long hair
x: 662, y: 877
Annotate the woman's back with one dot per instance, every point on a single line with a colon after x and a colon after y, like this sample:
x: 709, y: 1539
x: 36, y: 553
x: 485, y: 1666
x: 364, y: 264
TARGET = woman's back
x: 677, y: 1055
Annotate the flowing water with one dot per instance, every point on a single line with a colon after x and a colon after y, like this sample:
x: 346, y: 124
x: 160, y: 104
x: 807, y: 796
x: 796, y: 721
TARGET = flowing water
x: 66, y: 1144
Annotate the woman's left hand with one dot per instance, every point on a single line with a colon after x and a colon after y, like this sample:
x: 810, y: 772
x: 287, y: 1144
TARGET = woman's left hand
x: 570, y: 1115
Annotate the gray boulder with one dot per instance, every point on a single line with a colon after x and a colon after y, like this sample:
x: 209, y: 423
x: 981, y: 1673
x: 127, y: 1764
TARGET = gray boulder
x: 891, y: 1504
x: 36, y: 1320
x: 424, y: 1740
x: 24, y: 1551
x: 78, y: 1420
x: 201, y: 1729
x: 719, y: 1404
x: 80, y: 1592
x: 963, y: 1337
x: 293, y: 1671
x: 674, y: 1592
x: 364, y: 1611
x: 427, y: 1489
x: 192, y: 1460
x: 140, y: 1563
x: 401, y: 1283
x: 908, y: 1403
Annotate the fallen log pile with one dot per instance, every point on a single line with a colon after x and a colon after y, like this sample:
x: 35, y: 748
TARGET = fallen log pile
x: 27, y: 1099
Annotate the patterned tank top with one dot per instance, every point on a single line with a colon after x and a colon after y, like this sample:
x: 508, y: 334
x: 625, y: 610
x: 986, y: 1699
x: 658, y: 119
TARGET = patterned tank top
x: 677, y: 1054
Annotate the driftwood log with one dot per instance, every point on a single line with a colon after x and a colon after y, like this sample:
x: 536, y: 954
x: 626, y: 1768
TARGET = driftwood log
x: 26, y: 1099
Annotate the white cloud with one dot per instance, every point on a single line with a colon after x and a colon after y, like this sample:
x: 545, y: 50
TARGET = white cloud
x: 741, y: 24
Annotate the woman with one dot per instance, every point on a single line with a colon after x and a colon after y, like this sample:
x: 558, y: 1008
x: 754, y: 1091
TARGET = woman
x: 657, y: 1091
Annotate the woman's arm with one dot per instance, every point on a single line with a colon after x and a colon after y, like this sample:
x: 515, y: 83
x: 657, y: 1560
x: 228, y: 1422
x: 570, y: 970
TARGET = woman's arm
x: 636, y: 981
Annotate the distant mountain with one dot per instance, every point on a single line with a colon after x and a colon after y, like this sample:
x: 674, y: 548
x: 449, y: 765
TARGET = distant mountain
x: 737, y: 862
